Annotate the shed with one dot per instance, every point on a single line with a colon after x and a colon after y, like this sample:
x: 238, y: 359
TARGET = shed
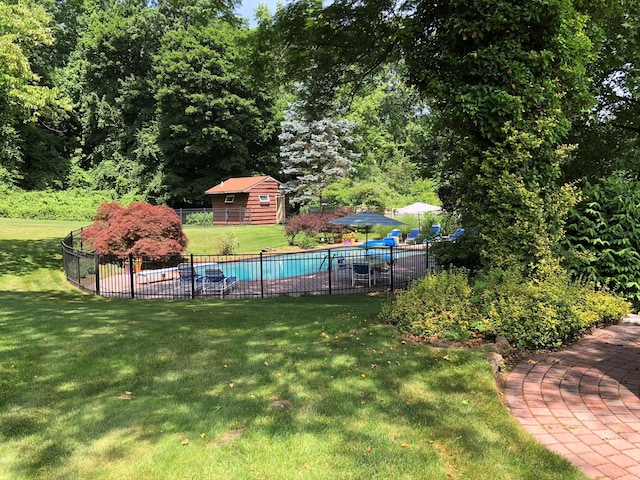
x: 248, y: 201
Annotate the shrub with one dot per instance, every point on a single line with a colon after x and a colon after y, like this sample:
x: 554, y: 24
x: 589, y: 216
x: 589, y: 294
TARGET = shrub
x: 309, y: 223
x: 201, y: 218
x: 602, y: 239
x: 546, y: 309
x: 463, y: 253
x: 305, y: 241
x: 543, y: 310
x: 72, y: 204
x: 140, y: 229
x: 226, y: 243
x: 438, y: 304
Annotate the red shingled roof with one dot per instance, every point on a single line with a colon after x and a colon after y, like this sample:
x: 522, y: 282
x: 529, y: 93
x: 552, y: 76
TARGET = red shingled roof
x: 238, y: 185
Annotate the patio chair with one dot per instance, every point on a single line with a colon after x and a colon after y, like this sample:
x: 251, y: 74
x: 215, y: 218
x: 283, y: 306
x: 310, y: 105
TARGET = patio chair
x: 413, y: 236
x: 216, y: 282
x: 396, y: 232
x: 342, y: 263
x: 187, y: 278
x: 362, y: 272
x: 435, y: 233
x: 384, y: 272
x: 456, y: 235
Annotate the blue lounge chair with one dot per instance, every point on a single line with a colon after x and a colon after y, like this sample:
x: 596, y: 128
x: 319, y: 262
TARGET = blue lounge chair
x: 396, y: 232
x: 435, y: 233
x: 188, y: 279
x: 456, y: 235
x: 216, y: 282
x: 413, y: 235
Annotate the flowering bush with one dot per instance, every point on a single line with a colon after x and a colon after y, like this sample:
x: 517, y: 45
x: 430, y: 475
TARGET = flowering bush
x: 140, y: 229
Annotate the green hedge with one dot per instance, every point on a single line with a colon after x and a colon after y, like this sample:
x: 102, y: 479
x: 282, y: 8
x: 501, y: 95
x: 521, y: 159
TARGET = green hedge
x: 72, y: 205
x: 544, y: 310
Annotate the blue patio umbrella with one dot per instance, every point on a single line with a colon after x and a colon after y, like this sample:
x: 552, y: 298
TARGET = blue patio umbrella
x: 366, y: 219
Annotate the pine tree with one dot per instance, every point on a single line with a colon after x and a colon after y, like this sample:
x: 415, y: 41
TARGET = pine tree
x: 315, y: 153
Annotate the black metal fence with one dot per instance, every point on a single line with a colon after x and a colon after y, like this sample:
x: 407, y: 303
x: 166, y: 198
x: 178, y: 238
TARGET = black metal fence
x: 335, y: 270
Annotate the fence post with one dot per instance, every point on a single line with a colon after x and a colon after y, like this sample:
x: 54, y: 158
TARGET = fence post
x: 391, y: 262
x: 261, y: 277
x: 132, y: 286
x: 329, y: 267
x: 193, y: 277
x: 96, y: 261
x: 78, y: 264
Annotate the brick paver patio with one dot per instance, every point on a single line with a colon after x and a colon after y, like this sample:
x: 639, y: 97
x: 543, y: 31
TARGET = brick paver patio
x: 584, y: 402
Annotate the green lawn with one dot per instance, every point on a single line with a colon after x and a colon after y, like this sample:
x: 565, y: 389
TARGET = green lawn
x: 284, y: 388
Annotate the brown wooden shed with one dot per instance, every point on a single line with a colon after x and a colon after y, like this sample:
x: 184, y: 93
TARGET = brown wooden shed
x: 248, y: 201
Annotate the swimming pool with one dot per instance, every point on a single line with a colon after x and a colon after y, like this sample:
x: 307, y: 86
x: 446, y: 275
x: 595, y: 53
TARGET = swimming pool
x: 277, y: 267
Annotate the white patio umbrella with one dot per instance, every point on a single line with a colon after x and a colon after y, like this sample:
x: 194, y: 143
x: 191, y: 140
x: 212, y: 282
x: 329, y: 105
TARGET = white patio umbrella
x: 418, y: 208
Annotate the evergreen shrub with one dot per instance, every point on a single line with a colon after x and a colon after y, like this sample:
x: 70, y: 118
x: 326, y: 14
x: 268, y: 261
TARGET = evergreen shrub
x: 438, y: 305
x: 602, y: 241
x: 544, y: 309
x: 200, y: 218
x: 63, y: 205
x: 305, y: 241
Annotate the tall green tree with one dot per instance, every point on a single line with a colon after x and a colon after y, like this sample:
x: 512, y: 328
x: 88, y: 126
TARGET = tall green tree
x: 110, y: 76
x: 506, y: 77
x: 609, y: 135
x: 214, y: 120
x: 24, y: 100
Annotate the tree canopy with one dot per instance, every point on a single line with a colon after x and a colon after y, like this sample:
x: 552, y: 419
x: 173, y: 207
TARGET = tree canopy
x: 505, y: 79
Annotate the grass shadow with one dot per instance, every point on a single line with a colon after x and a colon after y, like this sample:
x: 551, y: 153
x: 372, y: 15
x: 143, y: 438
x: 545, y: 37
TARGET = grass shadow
x: 22, y: 257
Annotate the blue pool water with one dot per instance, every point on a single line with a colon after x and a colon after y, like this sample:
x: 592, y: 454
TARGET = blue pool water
x: 276, y: 267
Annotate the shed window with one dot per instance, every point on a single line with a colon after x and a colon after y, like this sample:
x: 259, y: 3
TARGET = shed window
x: 264, y: 198
x: 229, y: 198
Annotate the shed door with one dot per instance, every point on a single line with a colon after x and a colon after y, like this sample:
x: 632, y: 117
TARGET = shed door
x: 280, y: 209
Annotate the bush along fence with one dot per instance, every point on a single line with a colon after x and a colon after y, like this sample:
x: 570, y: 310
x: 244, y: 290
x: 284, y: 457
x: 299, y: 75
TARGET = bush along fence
x: 337, y: 270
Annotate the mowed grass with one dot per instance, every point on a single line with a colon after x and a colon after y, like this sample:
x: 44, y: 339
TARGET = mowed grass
x: 285, y: 388
x: 248, y: 238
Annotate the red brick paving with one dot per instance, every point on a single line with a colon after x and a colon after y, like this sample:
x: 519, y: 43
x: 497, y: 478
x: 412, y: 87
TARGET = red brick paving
x: 584, y: 402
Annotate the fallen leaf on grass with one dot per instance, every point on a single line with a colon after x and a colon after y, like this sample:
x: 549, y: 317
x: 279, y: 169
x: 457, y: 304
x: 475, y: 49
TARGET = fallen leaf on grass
x: 404, y: 445
x: 185, y: 442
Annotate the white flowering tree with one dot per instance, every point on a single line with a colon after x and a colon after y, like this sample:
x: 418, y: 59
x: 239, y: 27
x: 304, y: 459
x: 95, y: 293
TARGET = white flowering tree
x: 315, y: 153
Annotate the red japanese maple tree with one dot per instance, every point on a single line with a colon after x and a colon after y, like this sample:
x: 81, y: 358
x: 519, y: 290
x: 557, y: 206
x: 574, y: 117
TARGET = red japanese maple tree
x: 140, y: 229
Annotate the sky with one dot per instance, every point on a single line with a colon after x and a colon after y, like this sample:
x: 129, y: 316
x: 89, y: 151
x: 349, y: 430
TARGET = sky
x: 248, y: 8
